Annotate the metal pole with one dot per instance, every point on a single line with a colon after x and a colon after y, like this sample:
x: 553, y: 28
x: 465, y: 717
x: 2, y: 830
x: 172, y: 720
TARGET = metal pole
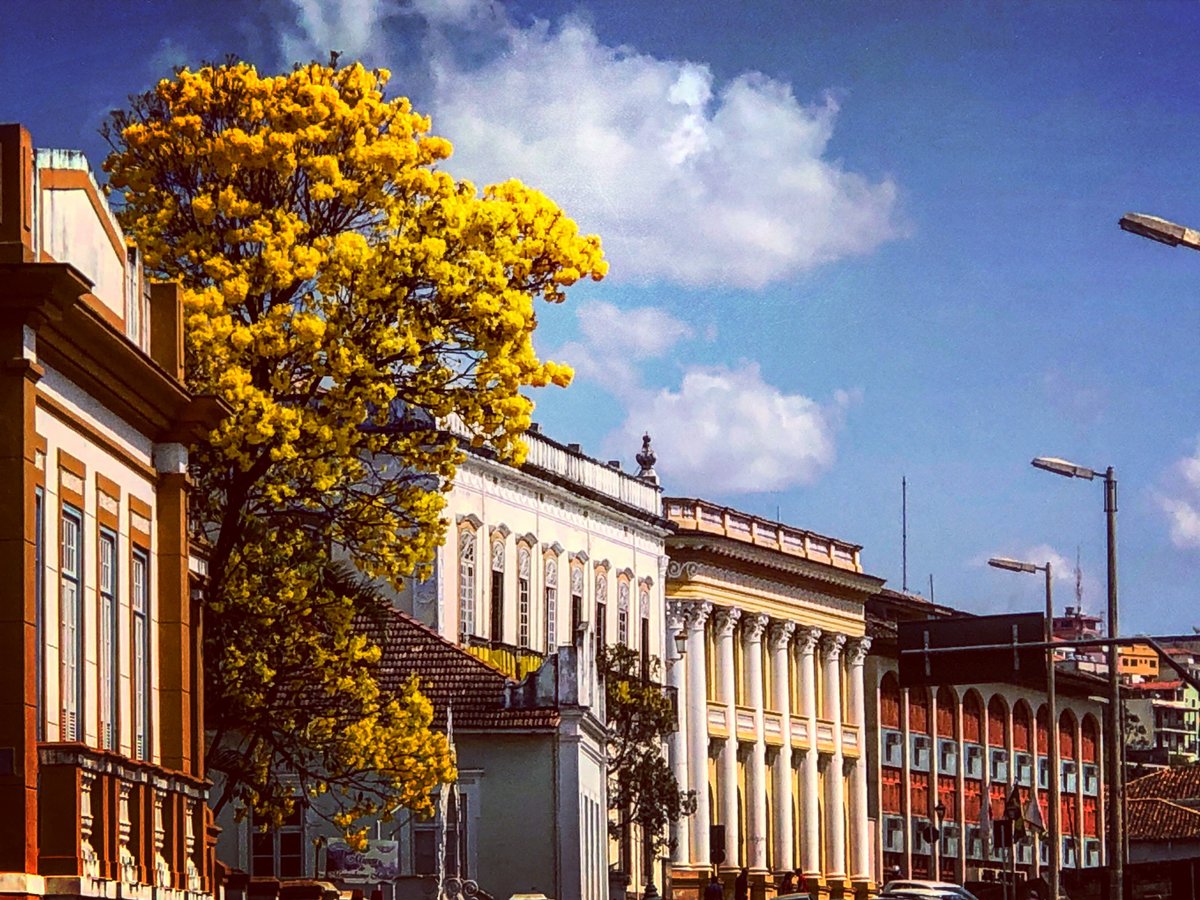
x: 1116, y: 800
x: 1055, y: 766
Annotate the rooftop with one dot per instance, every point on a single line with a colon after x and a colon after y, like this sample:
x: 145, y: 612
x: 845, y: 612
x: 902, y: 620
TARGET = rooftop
x: 449, y: 676
x: 689, y: 514
x: 1177, y: 783
x: 1161, y: 820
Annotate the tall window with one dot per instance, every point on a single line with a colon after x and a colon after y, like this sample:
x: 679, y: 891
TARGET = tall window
x: 623, y: 612
x: 39, y: 594
x: 601, y: 612
x: 140, y: 578
x: 576, y: 600
x: 551, y: 604
x: 497, y: 592
x: 644, y: 638
x: 71, y: 594
x: 466, y: 583
x: 110, y: 660
x: 523, y: 597
x: 278, y: 852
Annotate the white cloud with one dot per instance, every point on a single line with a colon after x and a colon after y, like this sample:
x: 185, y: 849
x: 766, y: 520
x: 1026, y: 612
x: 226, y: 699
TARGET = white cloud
x: 613, y: 339
x: 354, y: 28
x: 1180, y: 501
x: 684, y: 180
x: 727, y: 431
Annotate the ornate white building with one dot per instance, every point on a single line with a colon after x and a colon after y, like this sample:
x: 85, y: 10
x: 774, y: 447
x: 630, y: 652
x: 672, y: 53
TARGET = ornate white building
x: 564, y: 550
x: 772, y: 707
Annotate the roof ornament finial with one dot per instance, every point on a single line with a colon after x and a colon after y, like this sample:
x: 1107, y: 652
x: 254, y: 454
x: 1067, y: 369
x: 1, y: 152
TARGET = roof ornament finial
x: 646, y: 460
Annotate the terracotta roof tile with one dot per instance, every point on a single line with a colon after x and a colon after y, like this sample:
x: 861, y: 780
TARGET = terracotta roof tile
x: 1178, y: 783
x: 449, y: 676
x: 1161, y: 820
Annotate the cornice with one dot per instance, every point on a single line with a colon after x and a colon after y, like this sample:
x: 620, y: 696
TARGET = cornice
x: 777, y: 565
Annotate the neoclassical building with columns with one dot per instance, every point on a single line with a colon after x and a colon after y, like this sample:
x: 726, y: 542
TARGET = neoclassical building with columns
x: 771, y: 702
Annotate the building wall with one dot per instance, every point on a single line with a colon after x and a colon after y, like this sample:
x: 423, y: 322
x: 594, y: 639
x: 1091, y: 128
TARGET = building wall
x: 89, y: 456
x: 771, y: 700
x: 962, y: 744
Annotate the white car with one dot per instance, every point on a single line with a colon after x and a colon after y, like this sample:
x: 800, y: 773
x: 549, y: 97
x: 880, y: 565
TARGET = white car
x: 941, y: 889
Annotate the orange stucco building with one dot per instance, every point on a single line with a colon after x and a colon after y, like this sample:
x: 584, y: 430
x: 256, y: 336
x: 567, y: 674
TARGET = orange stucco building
x: 101, y: 737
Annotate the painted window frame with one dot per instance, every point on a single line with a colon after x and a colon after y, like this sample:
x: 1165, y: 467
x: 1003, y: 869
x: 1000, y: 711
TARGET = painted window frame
x: 108, y: 639
x: 141, y: 658
x: 550, y: 595
x: 496, y: 559
x: 71, y: 657
x: 468, y: 560
x: 524, y: 569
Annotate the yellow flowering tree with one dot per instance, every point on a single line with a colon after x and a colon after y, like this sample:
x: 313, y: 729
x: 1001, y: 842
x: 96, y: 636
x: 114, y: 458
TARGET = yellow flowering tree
x: 345, y: 296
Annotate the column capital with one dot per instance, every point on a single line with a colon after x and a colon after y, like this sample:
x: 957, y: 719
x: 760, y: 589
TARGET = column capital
x: 676, y: 616
x: 806, y: 638
x: 726, y: 619
x: 832, y: 645
x: 781, y: 633
x: 857, y: 650
x: 697, y: 614
x: 754, y: 625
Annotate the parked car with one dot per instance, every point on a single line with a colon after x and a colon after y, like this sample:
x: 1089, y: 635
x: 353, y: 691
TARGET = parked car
x: 942, y: 890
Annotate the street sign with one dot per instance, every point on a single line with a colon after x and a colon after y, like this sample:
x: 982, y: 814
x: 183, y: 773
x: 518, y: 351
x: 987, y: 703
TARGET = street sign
x: 984, y: 649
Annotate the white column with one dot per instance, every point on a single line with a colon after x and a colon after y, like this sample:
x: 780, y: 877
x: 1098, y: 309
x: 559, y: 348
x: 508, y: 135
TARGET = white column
x: 677, y: 740
x: 780, y: 637
x: 810, y: 849
x: 727, y: 795
x: 756, y: 783
x: 835, y: 803
x: 697, y: 714
x: 860, y: 847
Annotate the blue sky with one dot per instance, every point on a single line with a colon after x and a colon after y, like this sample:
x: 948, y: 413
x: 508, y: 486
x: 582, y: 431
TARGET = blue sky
x: 849, y: 243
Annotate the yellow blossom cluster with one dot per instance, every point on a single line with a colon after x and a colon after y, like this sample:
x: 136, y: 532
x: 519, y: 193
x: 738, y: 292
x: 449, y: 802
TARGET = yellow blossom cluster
x: 343, y: 295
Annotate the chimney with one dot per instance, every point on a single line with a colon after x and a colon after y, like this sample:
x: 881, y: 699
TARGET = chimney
x: 166, y: 328
x: 16, y: 195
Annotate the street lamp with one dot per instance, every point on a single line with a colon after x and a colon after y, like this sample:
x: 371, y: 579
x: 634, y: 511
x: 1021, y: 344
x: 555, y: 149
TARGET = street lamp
x: 1012, y: 565
x: 1116, y: 823
x: 1160, y: 230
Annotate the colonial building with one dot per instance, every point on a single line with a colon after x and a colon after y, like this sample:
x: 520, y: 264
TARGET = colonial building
x: 563, y: 550
x: 526, y: 815
x: 771, y: 708
x: 966, y: 746
x: 101, y: 738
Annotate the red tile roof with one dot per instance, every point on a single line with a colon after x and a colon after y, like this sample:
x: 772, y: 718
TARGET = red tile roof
x: 1178, y: 783
x: 449, y: 676
x: 1161, y: 820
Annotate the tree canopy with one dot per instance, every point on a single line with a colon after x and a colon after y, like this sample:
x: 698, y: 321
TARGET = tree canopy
x: 344, y: 295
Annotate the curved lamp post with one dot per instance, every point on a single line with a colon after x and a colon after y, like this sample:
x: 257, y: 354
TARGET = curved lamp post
x: 1112, y: 721
x: 1013, y: 565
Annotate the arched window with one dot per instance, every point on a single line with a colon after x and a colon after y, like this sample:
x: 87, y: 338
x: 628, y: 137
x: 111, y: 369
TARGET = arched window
x: 972, y: 718
x: 576, y: 599
x: 523, y: 567
x: 623, y: 612
x: 889, y: 702
x: 644, y: 637
x: 601, y: 610
x: 497, y: 593
x: 1022, y: 726
x: 466, y: 584
x: 551, y: 596
x: 997, y: 723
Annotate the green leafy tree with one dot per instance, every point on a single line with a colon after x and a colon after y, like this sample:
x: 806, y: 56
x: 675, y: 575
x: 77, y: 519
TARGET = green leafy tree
x: 642, y: 790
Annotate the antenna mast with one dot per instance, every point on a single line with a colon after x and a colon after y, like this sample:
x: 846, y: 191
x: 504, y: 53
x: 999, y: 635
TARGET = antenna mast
x: 904, y: 533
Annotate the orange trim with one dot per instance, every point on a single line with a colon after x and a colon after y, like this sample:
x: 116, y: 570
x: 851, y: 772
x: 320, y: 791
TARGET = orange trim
x: 76, y: 180
x: 108, y: 486
x: 82, y: 428
x: 71, y: 464
x: 141, y: 507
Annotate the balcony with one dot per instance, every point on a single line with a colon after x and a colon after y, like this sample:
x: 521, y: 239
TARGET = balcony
x: 515, y: 662
x: 138, y: 824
